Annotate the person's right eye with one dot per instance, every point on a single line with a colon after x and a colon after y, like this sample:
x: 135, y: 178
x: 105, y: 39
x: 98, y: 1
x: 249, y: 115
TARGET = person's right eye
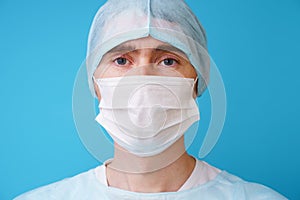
x: 121, y: 61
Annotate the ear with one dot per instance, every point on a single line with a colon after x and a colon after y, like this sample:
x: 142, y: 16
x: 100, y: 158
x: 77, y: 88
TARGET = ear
x: 97, y: 91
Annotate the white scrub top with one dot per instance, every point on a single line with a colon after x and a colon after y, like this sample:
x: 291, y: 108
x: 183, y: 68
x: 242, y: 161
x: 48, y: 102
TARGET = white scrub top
x: 202, y: 173
x: 88, y: 186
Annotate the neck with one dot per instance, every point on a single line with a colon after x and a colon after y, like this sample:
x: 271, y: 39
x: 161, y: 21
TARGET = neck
x: 165, y: 172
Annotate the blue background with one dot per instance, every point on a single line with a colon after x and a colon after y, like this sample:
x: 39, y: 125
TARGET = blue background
x: 255, y: 44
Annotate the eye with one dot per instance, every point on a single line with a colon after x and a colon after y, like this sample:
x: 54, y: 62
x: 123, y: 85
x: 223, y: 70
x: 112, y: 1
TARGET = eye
x: 169, y: 62
x: 121, y: 61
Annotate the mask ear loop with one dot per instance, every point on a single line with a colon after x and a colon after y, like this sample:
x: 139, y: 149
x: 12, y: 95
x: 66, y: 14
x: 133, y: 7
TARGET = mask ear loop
x: 95, y: 82
x: 195, y: 87
x: 94, y: 79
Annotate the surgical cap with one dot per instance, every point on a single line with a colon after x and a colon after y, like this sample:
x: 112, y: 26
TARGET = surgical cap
x: 169, y: 21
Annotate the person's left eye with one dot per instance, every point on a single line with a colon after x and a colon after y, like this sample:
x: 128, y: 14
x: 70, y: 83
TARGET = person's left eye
x: 169, y: 62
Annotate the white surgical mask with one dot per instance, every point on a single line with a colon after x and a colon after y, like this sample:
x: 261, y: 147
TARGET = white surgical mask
x: 146, y: 114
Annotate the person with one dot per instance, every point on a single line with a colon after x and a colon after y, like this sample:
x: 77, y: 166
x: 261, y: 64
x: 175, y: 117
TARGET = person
x: 147, y: 62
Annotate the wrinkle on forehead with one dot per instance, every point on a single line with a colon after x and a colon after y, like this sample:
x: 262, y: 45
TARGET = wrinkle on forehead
x: 146, y: 43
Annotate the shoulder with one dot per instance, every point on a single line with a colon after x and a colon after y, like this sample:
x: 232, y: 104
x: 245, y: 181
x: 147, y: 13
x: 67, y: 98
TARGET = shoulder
x: 69, y: 188
x: 241, y: 189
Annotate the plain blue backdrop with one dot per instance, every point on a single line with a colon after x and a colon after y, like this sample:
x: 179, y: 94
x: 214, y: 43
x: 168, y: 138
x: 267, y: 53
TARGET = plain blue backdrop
x: 255, y: 44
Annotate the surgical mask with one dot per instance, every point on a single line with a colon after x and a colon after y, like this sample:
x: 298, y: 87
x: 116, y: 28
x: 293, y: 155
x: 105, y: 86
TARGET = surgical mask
x: 146, y: 114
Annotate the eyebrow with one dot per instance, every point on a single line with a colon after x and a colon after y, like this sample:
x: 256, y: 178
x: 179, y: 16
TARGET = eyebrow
x: 129, y: 48
x: 121, y: 48
x: 169, y: 48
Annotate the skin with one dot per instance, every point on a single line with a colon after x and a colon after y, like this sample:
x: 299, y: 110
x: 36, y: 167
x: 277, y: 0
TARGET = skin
x: 167, y: 171
x: 145, y: 56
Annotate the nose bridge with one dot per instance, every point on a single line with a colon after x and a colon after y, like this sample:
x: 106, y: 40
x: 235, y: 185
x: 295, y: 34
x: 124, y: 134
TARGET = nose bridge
x: 145, y: 57
x: 145, y: 62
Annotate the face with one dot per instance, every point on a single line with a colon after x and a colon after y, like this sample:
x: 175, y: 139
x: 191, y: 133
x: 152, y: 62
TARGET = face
x: 145, y: 56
